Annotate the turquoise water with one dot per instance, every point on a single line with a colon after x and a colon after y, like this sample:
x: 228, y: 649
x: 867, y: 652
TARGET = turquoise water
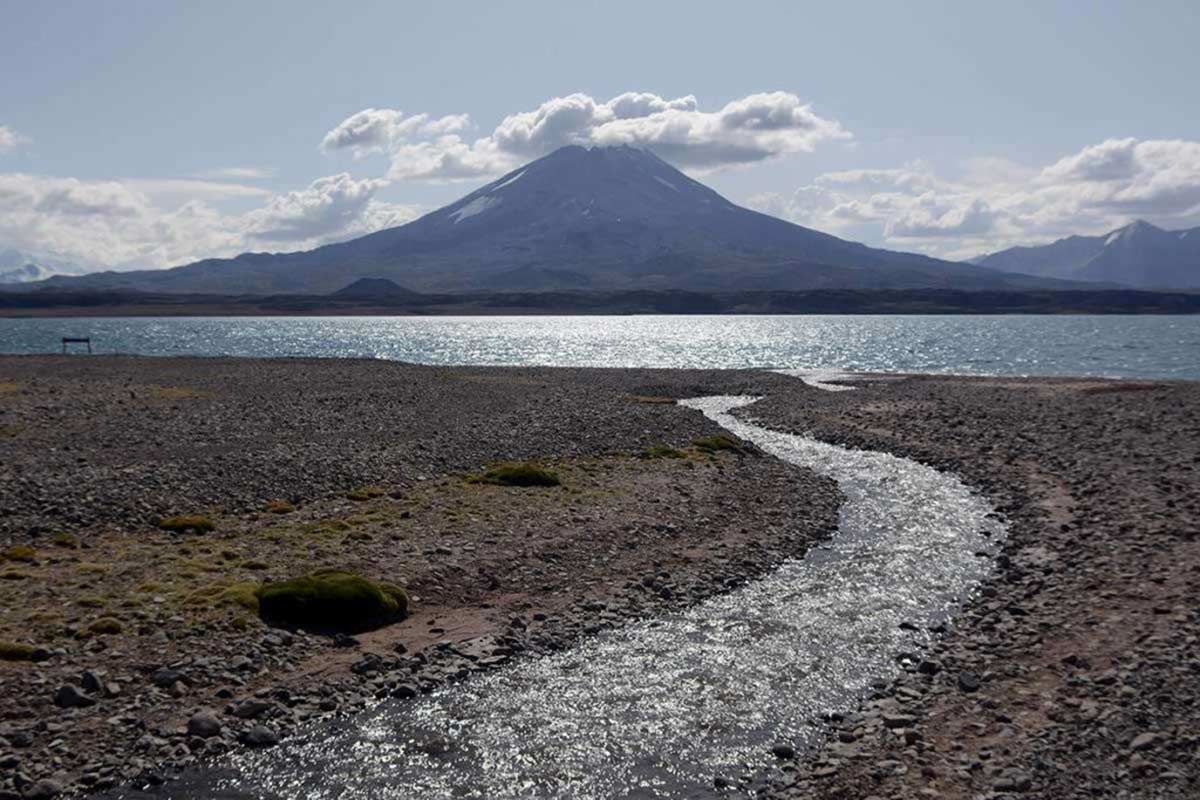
x: 1118, y: 346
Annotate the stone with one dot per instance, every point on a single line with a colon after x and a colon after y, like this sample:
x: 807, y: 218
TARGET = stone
x: 90, y: 682
x: 968, y: 681
x: 783, y: 751
x: 44, y: 789
x: 260, y: 736
x: 68, y: 696
x: 1013, y: 780
x: 204, y: 724
x: 249, y: 709
x: 894, y: 720
x: 1144, y: 741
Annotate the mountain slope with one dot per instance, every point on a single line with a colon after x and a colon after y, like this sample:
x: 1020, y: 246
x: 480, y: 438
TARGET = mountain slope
x: 1138, y: 255
x: 579, y: 218
x: 20, y: 267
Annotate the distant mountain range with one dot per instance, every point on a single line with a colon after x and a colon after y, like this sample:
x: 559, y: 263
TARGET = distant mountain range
x: 1139, y: 255
x: 17, y: 266
x: 594, y: 219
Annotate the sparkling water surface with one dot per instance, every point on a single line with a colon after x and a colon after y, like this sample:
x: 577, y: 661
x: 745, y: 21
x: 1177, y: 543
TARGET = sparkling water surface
x: 1116, y: 346
x: 659, y: 708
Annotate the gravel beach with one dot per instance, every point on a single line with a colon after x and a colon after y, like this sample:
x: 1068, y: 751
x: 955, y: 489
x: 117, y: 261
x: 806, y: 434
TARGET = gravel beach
x: 1074, y: 674
x: 140, y: 658
x: 1071, y: 675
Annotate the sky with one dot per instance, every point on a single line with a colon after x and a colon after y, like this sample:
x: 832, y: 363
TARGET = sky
x: 149, y: 133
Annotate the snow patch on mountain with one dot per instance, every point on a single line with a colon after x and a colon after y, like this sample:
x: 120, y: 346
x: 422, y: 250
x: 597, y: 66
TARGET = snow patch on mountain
x: 475, y: 207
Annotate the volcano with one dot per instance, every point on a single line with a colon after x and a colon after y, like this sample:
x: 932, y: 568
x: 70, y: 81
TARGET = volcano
x: 598, y: 218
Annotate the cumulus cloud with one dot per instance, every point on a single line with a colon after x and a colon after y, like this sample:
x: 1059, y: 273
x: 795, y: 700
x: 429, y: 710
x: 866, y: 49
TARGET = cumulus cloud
x: 746, y: 130
x: 10, y: 139
x: 994, y: 205
x: 125, y: 223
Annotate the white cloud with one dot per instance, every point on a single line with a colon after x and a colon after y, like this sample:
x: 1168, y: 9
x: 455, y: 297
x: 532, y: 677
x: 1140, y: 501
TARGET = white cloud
x: 126, y: 223
x: 747, y: 130
x: 995, y: 204
x: 237, y: 173
x: 327, y: 206
x: 10, y: 139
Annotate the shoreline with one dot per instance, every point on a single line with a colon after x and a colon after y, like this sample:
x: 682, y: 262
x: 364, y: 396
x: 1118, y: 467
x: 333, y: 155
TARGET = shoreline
x: 859, y: 418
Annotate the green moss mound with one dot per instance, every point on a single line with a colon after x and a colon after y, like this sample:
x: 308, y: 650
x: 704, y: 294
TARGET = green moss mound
x: 17, y: 651
x: 332, y: 600
x: 187, y: 523
x: 517, y: 474
x: 106, y: 625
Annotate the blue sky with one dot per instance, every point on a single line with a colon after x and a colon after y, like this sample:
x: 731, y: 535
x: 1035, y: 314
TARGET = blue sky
x: 152, y: 133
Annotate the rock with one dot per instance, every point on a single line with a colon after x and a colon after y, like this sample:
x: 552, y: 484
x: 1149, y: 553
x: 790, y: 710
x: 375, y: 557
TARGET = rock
x: 968, y: 681
x: 783, y: 751
x: 260, y: 736
x: 44, y: 790
x: 249, y: 709
x: 204, y: 724
x: 895, y: 720
x: 1013, y: 780
x: 344, y: 640
x: 90, y: 682
x: 929, y: 667
x: 166, y: 678
x: 1144, y: 741
x: 68, y: 696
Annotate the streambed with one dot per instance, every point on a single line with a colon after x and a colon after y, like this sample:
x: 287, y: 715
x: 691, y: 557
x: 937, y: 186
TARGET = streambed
x: 661, y: 708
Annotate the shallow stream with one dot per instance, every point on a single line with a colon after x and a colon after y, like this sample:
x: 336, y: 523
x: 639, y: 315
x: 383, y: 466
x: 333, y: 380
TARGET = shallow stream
x: 660, y: 708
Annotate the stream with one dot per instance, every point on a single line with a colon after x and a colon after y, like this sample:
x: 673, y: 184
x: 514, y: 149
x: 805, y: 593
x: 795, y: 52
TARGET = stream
x: 661, y: 708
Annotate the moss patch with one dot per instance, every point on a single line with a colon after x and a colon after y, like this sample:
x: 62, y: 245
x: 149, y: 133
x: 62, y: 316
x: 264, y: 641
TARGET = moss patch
x: 332, y: 600
x: 662, y: 451
x: 523, y: 474
x: 718, y: 442
x: 652, y: 400
x: 187, y: 523
x: 20, y: 552
x: 9, y: 431
x: 63, y: 539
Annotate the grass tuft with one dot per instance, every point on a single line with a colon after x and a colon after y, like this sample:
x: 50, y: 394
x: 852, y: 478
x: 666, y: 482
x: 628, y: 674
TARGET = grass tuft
x: 9, y: 431
x: 67, y: 540
x: 332, y: 600
x: 187, y: 523
x: 523, y: 474
x: 280, y: 507
x: 662, y: 451
x: 718, y: 442
x: 20, y: 552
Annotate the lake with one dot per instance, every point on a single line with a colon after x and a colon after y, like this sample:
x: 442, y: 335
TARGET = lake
x: 1116, y: 346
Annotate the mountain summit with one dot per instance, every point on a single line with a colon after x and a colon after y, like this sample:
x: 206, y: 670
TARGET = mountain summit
x: 1140, y: 255
x: 579, y: 218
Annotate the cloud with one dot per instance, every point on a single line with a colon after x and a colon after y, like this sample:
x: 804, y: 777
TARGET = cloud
x: 747, y: 130
x: 328, y: 205
x: 995, y: 204
x: 125, y: 224
x: 237, y: 173
x: 10, y: 139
